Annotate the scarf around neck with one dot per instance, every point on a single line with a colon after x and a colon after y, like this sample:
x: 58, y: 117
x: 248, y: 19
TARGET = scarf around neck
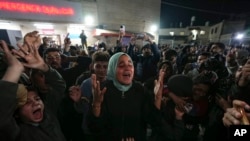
x: 111, y: 72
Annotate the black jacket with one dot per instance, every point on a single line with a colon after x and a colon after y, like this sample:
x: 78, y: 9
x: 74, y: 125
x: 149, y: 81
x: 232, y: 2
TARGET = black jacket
x: 124, y: 114
x: 11, y: 130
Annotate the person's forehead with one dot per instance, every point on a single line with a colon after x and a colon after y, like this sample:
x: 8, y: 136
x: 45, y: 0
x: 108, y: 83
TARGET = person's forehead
x: 123, y: 58
x: 53, y: 53
x: 100, y: 62
x: 32, y: 94
x: 202, y: 57
x: 201, y: 86
x: 165, y: 65
x: 214, y: 45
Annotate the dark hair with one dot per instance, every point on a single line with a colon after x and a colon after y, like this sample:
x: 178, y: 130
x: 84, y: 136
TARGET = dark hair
x: 146, y: 46
x: 34, y: 72
x: 160, y: 64
x: 100, y: 56
x: 73, y: 47
x: 186, y: 49
x: 220, y: 45
x: 50, y: 50
x: 212, y: 64
x: 44, y: 38
x: 33, y: 89
x: 206, y: 54
x: 210, y: 79
x: 203, y: 79
x: 169, y: 54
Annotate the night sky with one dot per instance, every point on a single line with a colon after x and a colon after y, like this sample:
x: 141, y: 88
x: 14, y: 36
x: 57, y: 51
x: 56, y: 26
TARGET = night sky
x: 175, y: 11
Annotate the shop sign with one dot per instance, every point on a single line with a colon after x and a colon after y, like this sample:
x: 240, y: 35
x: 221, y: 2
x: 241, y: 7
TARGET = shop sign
x: 48, y: 31
x: 41, y: 10
x: 35, y: 8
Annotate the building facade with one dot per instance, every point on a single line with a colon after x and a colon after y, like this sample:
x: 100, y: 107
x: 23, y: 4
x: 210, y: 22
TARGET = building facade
x: 187, y: 35
x: 227, y: 32
x: 56, y: 18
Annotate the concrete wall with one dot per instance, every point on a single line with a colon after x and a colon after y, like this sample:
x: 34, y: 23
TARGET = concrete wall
x: 89, y: 8
x: 177, y: 31
x: 137, y: 16
x: 215, y: 32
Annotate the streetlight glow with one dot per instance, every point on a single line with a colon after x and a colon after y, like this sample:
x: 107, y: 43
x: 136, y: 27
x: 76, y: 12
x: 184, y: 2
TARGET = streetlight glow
x: 239, y: 36
x: 153, y: 28
x: 89, y: 20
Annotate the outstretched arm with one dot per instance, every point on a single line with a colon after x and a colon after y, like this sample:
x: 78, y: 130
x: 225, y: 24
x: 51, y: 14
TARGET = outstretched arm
x: 158, y: 89
x: 8, y: 97
x: 15, y: 68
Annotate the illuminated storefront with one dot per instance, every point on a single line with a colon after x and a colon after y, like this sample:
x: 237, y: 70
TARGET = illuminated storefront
x: 53, y: 19
x: 56, y: 18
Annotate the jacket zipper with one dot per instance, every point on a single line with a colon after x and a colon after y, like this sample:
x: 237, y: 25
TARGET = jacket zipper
x: 122, y: 130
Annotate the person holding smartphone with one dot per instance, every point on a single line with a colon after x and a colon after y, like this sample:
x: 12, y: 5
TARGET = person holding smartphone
x: 236, y: 114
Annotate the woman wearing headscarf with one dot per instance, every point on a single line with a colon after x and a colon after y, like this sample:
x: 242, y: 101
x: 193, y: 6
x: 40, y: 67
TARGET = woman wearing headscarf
x: 122, y: 109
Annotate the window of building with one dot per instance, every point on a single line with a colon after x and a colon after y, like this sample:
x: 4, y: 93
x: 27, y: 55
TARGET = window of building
x: 202, y: 32
x: 171, y: 33
x: 215, y: 30
x: 212, y: 31
x: 182, y: 33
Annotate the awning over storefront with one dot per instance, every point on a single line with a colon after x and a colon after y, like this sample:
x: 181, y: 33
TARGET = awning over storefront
x: 107, y: 33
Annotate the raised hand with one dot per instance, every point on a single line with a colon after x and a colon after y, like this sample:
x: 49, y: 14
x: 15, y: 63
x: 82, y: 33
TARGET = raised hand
x: 158, y: 88
x: 96, y: 91
x: 75, y: 93
x: 236, y: 115
x: 67, y: 43
x: 179, y: 102
x: 32, y: 38
x: 159, y: 84
x: 15, y: 68
x: 31, y: 57
x: 178, y: 113
x: 245, y: 75
x: 8, y: 57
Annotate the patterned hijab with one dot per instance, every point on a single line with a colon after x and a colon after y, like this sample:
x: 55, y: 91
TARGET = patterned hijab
x: 111, y: 73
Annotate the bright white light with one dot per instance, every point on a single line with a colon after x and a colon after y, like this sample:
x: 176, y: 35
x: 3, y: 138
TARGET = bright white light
x: 44, y: 26
x: 89, y: 20
x: 171, y: 33
x: 202, y: 32
x: 195, y: 32
x: 76, y: 26
x: 153, y: 28
x: 9, y: 25
x: 4, y: 23
x: 239, y: 36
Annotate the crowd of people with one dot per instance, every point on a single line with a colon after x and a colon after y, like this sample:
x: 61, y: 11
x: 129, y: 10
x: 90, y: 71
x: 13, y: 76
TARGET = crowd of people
x: 124, y: 93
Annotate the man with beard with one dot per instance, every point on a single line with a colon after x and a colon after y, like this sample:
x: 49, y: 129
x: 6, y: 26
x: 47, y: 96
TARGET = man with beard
x: 147, y: 61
